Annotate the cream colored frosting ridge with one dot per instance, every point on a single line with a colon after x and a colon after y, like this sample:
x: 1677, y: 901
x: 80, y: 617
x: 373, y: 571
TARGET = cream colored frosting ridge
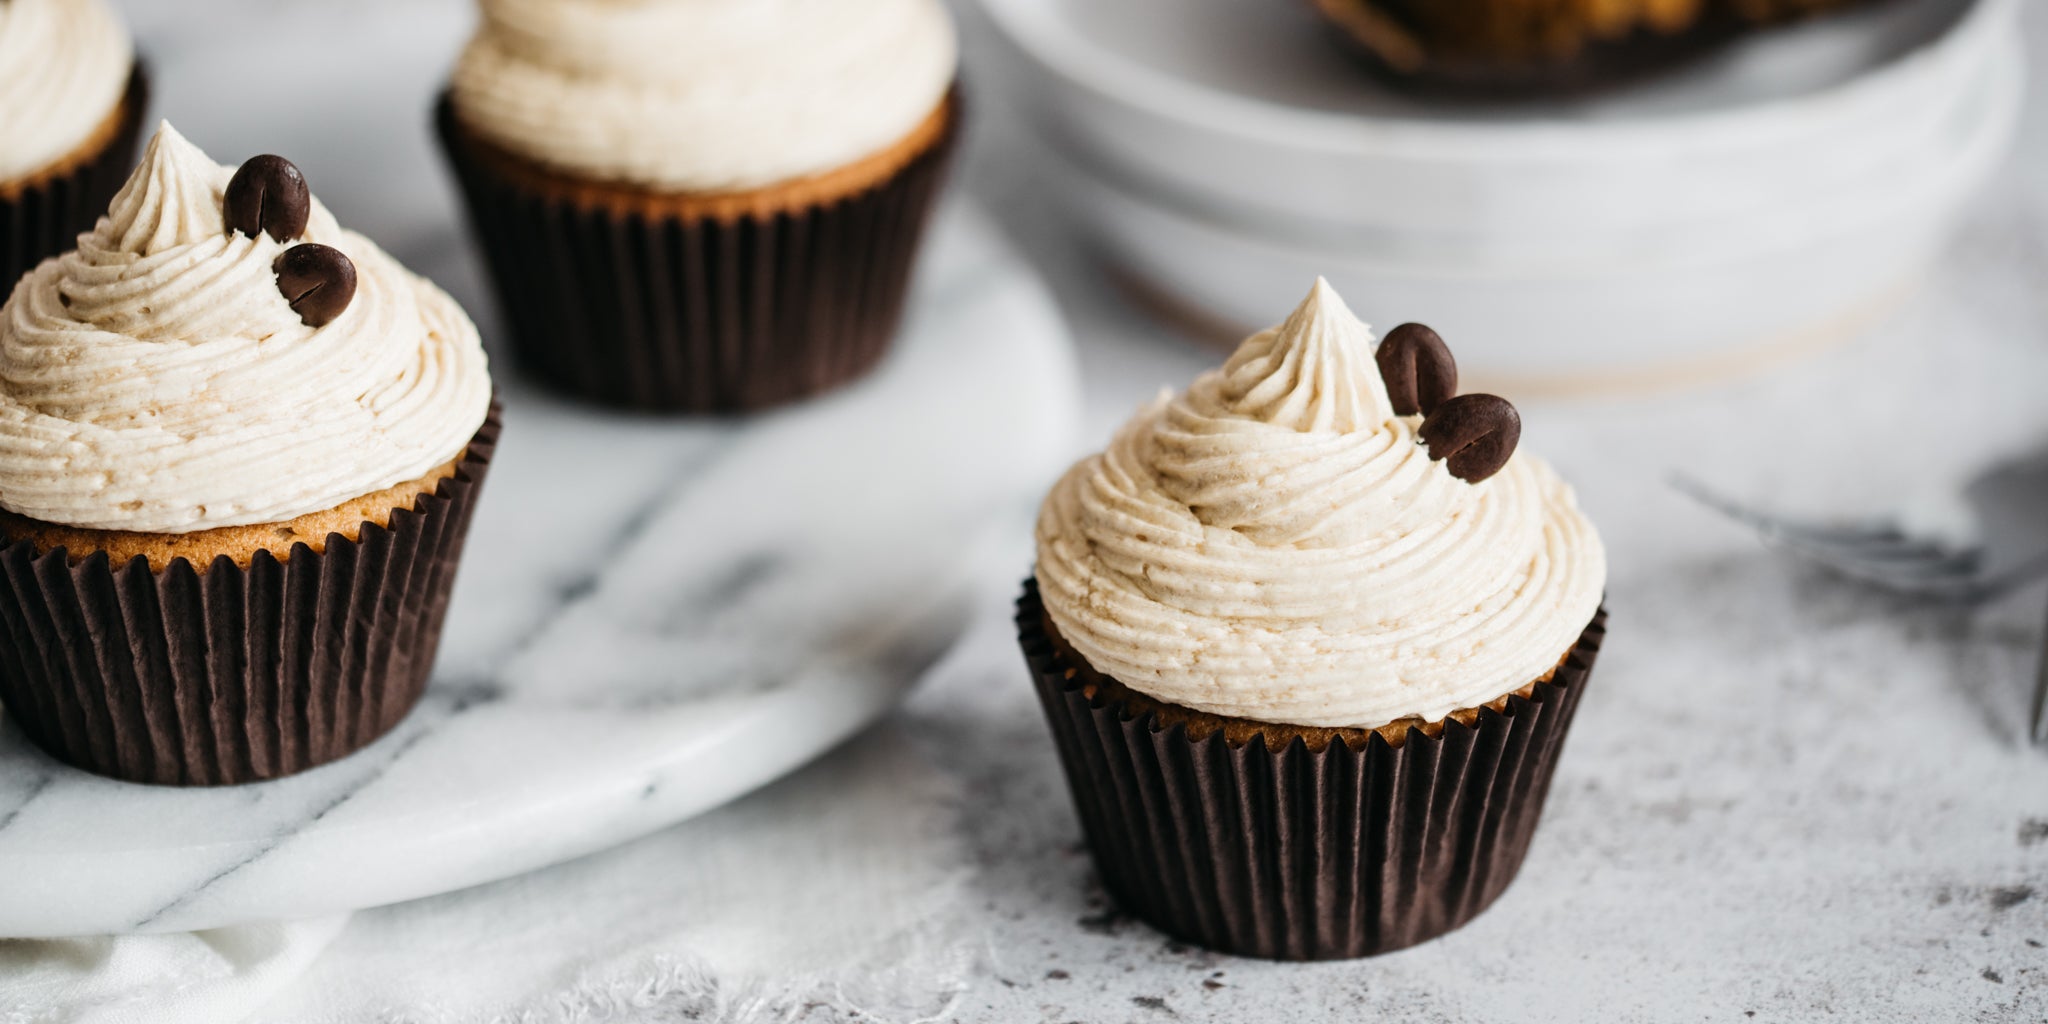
x: 703, y: 95
x: 1275, y: 544
x: 156, y: 380
x: 64, y: 66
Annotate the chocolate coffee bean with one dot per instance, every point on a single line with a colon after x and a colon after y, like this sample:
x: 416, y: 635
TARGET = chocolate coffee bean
x: 268, y: 194
x: 1473, y: 434
x: 318, y: 281
x: 1418, y: 369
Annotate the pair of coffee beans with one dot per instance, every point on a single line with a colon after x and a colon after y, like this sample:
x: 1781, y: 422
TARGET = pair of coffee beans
x: 1473, y: 435
x: 268, y: 195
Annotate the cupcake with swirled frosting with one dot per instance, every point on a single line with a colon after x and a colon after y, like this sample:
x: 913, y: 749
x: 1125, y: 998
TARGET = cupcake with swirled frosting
x: 702, y: 205
x: 239, y: 447
x: 1291, y: 607
x: 72, y: 97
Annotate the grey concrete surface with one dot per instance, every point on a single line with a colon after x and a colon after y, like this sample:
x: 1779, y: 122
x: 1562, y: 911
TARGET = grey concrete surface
x: 1785, y: 799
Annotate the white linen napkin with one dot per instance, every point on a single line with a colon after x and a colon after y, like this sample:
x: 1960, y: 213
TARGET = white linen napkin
x: 185, y: 978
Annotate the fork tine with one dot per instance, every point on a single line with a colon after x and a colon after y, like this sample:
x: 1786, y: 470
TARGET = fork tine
x: 1875, y: 532
x: 1958, y: 582
x: 1963, y: 587
x: 1927, y: 562
x: 2039, y: 733
x: 1923, y: 553
x: 1877, y: 552
x: 1889, y: 546
x: 1869, y: 542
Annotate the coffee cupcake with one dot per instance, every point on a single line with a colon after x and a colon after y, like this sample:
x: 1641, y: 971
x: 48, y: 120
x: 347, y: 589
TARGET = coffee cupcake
x: 71, y: 99
x: 239, y: 449
x: 1506, y: 46
x: 702, y: 205
x: 1309, y: 636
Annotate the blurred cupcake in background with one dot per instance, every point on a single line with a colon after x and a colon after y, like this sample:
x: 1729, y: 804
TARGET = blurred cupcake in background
x: 1309, y: 636
x: 72, y: 96
x: 239, y: 449
x: 702, y: 205
x: 1545, y: 45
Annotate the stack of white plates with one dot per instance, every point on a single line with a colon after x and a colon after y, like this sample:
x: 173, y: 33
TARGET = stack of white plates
x: 1226, y: 152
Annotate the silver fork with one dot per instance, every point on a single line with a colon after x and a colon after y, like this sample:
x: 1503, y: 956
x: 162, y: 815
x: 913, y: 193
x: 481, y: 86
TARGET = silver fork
x: 1881, y: 553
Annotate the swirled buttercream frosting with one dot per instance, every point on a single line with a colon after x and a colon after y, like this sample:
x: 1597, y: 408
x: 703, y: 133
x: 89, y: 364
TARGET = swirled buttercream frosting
x: 703, y: 95
x: 156, y: 380
x: 64, y: 66
x: 1275, y: 544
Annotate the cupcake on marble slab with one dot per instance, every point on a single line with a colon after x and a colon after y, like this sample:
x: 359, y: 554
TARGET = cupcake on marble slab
x: 1309, y: 636
x: 239, y: 451
x: 72, y: 97
x: 1506, y: 46
x: 702, y: 206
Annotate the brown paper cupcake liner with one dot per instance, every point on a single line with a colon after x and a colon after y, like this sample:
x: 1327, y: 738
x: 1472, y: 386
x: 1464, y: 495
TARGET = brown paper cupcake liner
x: 233, y: 674
x: 698, y: 314
x: 46, y: 217
x: 1298, y: 854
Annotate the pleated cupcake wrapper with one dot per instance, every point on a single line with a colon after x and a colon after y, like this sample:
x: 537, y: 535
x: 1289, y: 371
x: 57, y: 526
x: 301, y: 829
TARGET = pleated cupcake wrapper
x: 180, y: 677
x: 47, y: 217
x: 1295, y: 854
x: 698, y: 315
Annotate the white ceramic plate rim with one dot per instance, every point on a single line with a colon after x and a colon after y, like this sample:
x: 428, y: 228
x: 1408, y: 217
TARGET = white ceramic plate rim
x: 1983, y: 123
x: 1990, y: 127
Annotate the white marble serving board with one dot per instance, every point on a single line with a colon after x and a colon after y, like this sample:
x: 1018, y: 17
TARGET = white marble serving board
x: 653, y: 617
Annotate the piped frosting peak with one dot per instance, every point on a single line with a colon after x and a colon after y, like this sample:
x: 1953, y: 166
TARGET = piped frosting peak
x: 169, y: 201
x: 1312, y: 373
x: 1276, y: 544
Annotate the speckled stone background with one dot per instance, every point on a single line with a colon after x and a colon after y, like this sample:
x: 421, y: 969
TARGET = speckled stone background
x: 1785, y: 799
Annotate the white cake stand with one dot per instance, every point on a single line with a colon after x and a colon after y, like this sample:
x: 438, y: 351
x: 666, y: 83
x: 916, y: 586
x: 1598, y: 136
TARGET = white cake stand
x: 653, y: 618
